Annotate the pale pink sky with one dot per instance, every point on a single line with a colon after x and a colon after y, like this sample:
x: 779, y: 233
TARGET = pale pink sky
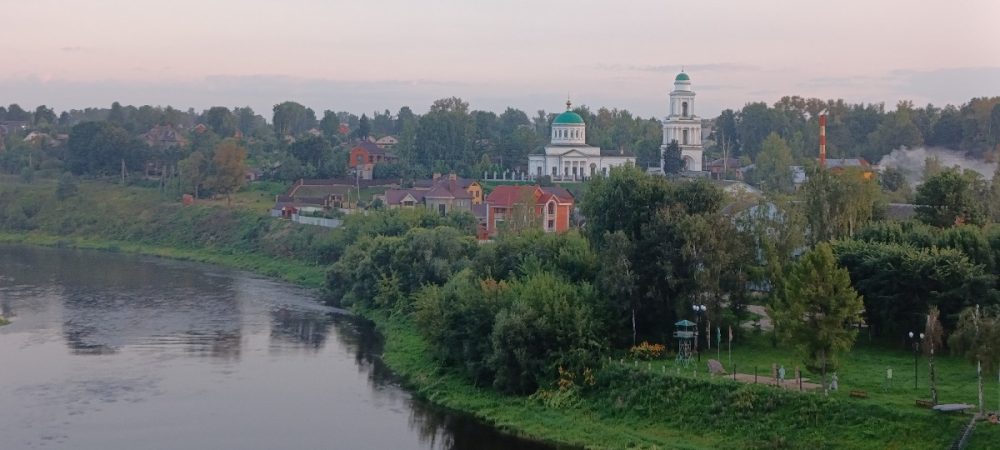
x: 377, y: 54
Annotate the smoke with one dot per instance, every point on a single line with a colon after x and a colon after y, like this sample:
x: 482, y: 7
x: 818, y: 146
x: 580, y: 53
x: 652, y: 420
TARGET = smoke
x: 911, y: 162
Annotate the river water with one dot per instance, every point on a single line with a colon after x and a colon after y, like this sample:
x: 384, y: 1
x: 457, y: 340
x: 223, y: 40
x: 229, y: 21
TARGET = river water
x: 111, y: 351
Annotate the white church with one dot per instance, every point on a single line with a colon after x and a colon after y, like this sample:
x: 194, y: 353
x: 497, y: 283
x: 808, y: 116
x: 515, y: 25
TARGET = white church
x: 682, y: 125
x: 568, y: 157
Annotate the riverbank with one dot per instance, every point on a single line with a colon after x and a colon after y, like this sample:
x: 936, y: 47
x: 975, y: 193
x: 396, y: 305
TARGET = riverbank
x: 627, y: 408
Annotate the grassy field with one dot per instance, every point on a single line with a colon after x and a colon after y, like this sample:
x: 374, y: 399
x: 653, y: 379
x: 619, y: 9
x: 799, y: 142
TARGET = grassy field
x: 863, y: 369
x: 640, y: 407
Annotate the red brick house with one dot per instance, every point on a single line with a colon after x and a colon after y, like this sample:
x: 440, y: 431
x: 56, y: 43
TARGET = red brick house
x: 552, y: 206
x: 365, y: 155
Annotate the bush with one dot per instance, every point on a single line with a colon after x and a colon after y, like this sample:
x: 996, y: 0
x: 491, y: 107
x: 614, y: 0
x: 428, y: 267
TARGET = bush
x: 67, y: 187
x: 646, y: 351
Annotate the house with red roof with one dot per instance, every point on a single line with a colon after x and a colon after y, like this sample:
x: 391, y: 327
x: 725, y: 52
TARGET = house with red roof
x: 551, y: 207
x: 365, y: 155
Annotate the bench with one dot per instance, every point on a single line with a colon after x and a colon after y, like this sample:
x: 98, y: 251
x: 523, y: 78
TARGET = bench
x: 925, y: 403
x: 859, y: 394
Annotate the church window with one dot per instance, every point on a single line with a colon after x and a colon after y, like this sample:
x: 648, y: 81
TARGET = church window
x: 685, y: 139
x: 555, y: 171
x: 684, y: 109
x: 539, y: 170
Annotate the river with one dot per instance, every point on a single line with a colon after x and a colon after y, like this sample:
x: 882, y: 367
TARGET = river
x: 114, y: 351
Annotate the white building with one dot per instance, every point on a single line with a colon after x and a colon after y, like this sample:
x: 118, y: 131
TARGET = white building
x: 682, y: 125
x: 568, y: 157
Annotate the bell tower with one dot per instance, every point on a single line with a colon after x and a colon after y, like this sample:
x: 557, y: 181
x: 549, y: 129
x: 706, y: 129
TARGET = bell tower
x: 682, y: 125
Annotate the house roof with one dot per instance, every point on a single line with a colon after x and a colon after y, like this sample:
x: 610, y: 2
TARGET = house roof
x: 396, y: 196
x: 164, y: 135
x: 732, y: 163
x: 506, y: 196
x: 560, y: 192
x: 447, y: 189
x: 371, y: 148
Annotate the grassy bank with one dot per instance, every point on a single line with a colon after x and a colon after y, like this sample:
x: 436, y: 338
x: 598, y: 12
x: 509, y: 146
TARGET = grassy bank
x: 634, y: 407
x: 627, y: 407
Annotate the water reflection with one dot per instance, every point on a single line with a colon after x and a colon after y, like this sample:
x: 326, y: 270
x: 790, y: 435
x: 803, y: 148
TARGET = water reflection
x: 303, y: 330
x: 108, y: 350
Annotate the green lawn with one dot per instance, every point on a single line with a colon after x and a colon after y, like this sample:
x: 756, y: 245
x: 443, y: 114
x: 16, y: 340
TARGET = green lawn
x: 864, y: 368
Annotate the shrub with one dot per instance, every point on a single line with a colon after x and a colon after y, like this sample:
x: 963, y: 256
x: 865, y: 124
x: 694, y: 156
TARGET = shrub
x: 646, y: 351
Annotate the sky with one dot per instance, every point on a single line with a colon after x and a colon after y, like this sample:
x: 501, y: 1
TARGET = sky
x: 372, y: 55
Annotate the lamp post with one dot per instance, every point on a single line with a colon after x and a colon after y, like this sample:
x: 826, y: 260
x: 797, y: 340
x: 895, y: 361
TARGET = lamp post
x: 699, y: 310
x: 915, y: 339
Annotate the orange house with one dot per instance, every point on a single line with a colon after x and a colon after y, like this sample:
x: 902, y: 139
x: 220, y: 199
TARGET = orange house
x: 552, y: 205
x: 365, y: 155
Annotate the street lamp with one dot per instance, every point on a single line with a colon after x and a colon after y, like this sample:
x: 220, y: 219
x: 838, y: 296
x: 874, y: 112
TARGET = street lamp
x: 699, y: 310
x: 915, y: 339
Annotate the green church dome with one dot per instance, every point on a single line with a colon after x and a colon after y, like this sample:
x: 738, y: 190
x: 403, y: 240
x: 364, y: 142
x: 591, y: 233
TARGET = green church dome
x: 682, y: 77
x: 568, y: 118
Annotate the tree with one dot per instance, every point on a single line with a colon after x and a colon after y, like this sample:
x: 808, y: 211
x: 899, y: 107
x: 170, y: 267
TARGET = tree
x: 364, y: 128
x: 897, y: 130
x: 933, y: 335
x: 330, y: 125
x: 818, y: 310
x: 313, y: 150
x: 977, y: 337
x: 672, y: 162
x: 549, y: 325
x: 229, y: 168
x: 101, y: 148
x: 66, y: 187
x: 773, y: 170
x: 44, y: 116
x: 117, y: 114
x: 753, y: 123
x: 951, y: 198
x: 193, y: 170
x: 837, y: 204
x: 221, y: 121
x: 616, y: 278
x: 18, y: 114
x: 292, y: 119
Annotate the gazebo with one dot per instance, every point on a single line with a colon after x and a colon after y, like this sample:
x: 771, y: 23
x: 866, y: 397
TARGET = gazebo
x: 685, y: 334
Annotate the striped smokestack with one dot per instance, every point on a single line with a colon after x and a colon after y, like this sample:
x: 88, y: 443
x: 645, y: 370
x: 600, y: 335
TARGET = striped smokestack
x: 822, y: 141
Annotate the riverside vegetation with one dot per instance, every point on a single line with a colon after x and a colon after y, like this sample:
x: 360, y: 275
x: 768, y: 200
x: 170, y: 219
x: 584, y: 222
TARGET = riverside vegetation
x: 516, y: 332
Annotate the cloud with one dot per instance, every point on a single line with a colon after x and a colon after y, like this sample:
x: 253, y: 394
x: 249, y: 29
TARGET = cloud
x: 951, y: 85
x: 674, y: 68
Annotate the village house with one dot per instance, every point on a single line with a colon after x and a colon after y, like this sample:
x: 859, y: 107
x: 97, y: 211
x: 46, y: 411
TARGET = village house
x: 469, y: 185
x: 551, y: 206
x: 163, y: 137
x: 365, y: 155
x: 387, y: 142
x: 442, y: 194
